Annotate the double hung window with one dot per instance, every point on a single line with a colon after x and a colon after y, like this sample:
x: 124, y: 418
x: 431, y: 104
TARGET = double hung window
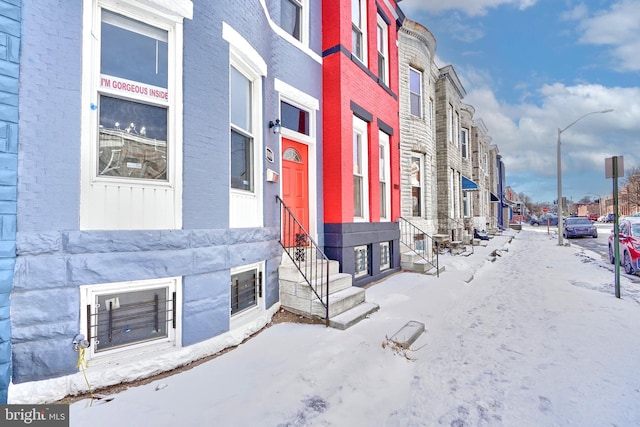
x: 360, y: 170
x: 383, y: 51
x: 416, y: 185
x: 384, y: 170
x: 242, y: 173
x: 291, y: 17
x: 415, y: 90
x: 359, y: 30
x: 464, y: 136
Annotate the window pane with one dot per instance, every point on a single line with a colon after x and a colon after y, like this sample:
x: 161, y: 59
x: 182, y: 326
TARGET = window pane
x: 240, y: 100
x: 241, y: 161
x: 294, y: 118
x: 290, y: 17
x: 357, y: 153
x: 383, y: 199
x: 381, y: 68
x: 361, y: 258
x: 356, y: 42
x: 132, y: 139
x: 357, y: 197
x: 415, y: 104
x: 355, y: 13
x: 417, y: 202
x: 131, y: 317
x: 414, y: 81
x: 243, y: 291
x: 133, y: 50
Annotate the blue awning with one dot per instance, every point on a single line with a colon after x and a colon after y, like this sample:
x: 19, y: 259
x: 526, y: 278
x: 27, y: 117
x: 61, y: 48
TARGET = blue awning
x: 494, y: 198
x: 468, y: 185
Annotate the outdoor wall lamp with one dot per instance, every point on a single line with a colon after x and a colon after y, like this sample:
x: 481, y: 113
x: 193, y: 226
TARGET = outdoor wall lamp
x: 276, y: 126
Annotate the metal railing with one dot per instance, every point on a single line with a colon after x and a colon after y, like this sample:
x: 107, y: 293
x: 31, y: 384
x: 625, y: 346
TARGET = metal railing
x: 420, y: 243
x: 306, y: 255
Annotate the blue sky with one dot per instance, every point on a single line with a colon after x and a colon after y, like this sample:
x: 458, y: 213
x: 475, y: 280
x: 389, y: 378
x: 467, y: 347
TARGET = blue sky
x: 532, y: 66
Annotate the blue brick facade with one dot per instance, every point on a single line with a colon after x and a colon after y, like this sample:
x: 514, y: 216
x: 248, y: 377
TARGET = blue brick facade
x: 55, y: 257
x: 10, y: 15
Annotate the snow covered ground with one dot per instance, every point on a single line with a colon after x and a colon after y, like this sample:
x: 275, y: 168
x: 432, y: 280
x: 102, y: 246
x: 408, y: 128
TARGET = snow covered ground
x: 536, y: 338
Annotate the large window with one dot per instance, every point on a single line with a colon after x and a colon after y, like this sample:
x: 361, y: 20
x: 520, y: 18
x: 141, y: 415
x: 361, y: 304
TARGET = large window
x: 130, y: 315
x: 132, y: 140
x: 359, y: 30
x: 242, y: 173
x: 291, y: 17
x: 246, y: 69
x: 415, y: 90
x: 383, y: 51
x: 360, y: 170
x: 384, y: 171
x: 416, y: 185
x: 131, y: 150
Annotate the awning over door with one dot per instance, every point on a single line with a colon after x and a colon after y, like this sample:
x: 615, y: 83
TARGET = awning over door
x: 494, y: 198
x: 468, y: 185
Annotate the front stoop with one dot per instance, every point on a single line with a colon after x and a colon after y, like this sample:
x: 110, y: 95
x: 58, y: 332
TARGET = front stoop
x: 413, y: 261
x: 347, y: 303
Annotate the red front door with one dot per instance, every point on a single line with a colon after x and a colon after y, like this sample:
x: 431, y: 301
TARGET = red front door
x: 295, y: 180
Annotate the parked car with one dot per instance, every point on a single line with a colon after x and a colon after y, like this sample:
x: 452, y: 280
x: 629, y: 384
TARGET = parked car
x: 629, y: 235
x: 552, y: 220
x: 593, y: 217
x: 477, y: 234
x: 578, y: 226
x: 610, y: 217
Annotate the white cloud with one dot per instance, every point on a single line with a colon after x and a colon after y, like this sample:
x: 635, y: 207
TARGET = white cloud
x: 617, y: 28
x: 469, y: 7
x: 526, y: 132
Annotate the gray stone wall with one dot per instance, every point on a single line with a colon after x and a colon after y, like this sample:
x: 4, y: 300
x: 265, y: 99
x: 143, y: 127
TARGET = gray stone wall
x: 416, y: 49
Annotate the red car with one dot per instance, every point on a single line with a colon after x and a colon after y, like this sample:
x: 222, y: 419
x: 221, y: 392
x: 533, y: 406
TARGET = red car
x: 593, y: 217
x: 629, y: 230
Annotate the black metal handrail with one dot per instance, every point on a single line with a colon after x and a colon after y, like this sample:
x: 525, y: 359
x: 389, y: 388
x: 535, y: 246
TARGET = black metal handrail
x: 306, y: 255
x: 420, y: 243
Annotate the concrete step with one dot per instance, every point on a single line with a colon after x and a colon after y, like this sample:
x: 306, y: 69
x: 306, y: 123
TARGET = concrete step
x: 289, y: 271
x: 339, y: 302
x: 352, y: 316
x: 412, y: 256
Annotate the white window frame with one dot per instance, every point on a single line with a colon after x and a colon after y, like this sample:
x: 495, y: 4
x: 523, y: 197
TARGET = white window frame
x: 420, y: 181
x: 450, y: 123
x: 304, y: 22
x: 252, y: 313
x: 88, y: 295
x: 431, y: 114
x: 486, y: 163
x: 120, y: 203
x: 245, y: 207
x: 382, y: 40
x: 466, y: 203
x: 464, y: 145
x: 456, y: 129
x: 361, y: 128
x: 384, y: 166
x: 419, y: 95
x: 362, y: 29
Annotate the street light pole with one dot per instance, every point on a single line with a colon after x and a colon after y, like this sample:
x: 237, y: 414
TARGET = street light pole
x: 560, y: 225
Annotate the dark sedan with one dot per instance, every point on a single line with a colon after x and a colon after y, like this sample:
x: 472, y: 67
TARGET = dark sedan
x: 578, y: 226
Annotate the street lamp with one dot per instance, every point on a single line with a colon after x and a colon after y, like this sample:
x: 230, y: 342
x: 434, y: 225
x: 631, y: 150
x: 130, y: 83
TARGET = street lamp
x: 560, y: 225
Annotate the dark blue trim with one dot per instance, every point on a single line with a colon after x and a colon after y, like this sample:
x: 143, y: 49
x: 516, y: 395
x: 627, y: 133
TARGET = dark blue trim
x: 385, y: 127
x: 361, y: 112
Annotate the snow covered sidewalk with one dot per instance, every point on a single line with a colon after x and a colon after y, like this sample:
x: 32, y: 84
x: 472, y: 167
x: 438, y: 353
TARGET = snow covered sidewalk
x: 536, y: 338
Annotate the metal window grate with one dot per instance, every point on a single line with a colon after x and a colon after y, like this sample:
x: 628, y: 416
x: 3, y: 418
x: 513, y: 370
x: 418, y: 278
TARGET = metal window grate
x: 118, y: 320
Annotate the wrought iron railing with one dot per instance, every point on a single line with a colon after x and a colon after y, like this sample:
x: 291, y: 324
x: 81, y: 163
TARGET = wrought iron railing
x: 420, y: 243
x: 306, y: 255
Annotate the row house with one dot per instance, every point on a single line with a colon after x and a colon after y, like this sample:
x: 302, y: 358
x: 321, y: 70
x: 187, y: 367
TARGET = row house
x: 361, y: 183
x: 448, y: 105
x: 484, y: 197
x: 155, y: 137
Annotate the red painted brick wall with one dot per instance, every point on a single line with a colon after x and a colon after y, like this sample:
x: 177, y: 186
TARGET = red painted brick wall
x: 343, y: 82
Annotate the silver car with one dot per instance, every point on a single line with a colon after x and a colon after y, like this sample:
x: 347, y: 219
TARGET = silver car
x: 578, y: 226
